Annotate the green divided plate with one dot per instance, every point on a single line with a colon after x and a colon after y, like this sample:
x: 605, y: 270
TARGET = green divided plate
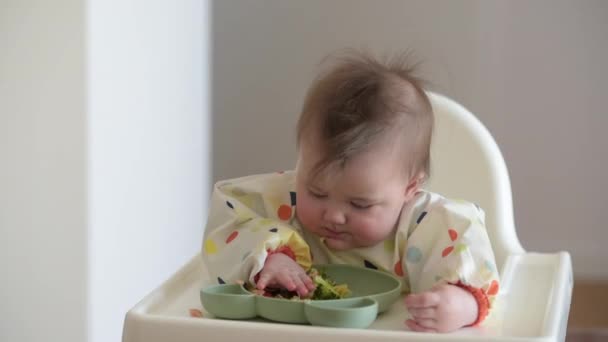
x: 372, y: 292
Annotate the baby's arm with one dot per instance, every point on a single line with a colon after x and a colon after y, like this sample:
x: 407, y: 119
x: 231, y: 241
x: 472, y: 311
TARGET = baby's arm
x: 241, y: 243
x: 451, y: 268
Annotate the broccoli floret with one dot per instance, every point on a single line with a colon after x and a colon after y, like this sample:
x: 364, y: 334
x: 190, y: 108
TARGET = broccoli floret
x: 327, y: 288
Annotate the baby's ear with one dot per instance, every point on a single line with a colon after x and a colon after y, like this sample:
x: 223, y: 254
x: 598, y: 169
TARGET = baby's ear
x: 413, y: 186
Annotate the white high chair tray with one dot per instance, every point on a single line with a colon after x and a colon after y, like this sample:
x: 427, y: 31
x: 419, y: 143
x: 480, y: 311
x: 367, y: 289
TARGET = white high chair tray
x: 533, y: 305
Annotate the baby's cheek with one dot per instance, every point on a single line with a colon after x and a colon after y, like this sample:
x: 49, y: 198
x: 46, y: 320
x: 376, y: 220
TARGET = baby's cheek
x: 306, y: 214
x: 372, y: 230
x: 367, y: 231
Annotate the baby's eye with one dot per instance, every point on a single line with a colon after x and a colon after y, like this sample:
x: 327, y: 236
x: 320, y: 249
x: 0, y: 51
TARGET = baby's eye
x: 360, y: 206
x: 317, y: 194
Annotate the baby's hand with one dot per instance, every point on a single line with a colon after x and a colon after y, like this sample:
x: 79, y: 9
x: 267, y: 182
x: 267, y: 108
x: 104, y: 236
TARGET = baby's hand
x: 280, y: 270
x: 444, y: 308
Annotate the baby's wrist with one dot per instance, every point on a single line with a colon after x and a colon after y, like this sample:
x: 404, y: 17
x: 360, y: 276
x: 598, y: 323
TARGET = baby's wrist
x: 280, y: 252
x: 481, y: 300
x: 284, y: 249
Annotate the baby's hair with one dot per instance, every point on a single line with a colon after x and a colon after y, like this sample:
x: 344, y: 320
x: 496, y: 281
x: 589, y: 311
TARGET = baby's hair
x: 359, y: 100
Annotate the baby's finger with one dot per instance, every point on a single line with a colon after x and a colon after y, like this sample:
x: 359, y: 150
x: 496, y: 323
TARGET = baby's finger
x: 417, y: 327
x: 300, y: 287
x: 286, y: 281
x: 427, y: 323
x: 422, y: 300
x: 263, y: 281
x: 307, y: 281
x: 423, y: 312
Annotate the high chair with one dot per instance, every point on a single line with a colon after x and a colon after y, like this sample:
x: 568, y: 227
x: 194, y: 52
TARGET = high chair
x: 533, y: 302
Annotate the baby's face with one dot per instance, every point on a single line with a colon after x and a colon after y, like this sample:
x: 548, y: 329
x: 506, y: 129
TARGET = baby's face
x: 357, y: 206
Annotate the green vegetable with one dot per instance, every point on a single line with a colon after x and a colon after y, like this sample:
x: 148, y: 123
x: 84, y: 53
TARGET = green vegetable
x: 327, y: 288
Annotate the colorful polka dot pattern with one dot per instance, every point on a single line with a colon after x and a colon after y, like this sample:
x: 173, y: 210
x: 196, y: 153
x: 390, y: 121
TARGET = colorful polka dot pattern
x: 449, y: 249
x: 242, y: 203
x: 398, y: 268
x: 369, y: 264
x: 210, y: 247
x: 292, y: 196
x: 461, y: 247
x: 284, y: 212
x: 489, y: 266
x: 421, y: 217
x: 413, y: 254
x: 232, y: 236
x: 493, y: 289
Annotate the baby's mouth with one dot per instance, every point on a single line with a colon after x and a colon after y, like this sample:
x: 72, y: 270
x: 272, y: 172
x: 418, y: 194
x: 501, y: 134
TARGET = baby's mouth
x: 332, y: 234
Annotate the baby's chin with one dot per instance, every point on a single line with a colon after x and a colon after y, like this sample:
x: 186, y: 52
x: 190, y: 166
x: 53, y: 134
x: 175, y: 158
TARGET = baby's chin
x: 337, y: 244
x: 343, y: 245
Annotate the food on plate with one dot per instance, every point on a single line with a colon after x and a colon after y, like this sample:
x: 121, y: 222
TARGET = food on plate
x: 326, y: 288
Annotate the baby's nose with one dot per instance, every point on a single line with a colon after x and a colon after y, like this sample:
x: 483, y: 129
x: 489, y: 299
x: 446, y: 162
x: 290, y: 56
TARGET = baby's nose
x: 334, y: 216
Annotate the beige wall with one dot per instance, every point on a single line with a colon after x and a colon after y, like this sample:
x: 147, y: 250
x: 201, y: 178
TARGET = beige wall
x: 43, y: 237
x: 104, y: 164
x: 533, y: 72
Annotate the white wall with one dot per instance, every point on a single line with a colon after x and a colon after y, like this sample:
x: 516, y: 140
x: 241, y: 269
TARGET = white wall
x: 104, y: 174
x: 43, y: 255
x: 148, y: 141
x: 533, y: 72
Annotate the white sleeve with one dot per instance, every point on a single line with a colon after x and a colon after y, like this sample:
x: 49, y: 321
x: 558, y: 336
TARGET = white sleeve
x: 448, y: 243
x: 240, y: 233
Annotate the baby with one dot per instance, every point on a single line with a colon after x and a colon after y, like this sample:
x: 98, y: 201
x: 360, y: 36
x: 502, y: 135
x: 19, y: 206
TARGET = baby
x: 356, y: 197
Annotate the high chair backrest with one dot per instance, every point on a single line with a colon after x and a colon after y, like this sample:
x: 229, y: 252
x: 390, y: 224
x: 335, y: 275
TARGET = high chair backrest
x: 467, y: 164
